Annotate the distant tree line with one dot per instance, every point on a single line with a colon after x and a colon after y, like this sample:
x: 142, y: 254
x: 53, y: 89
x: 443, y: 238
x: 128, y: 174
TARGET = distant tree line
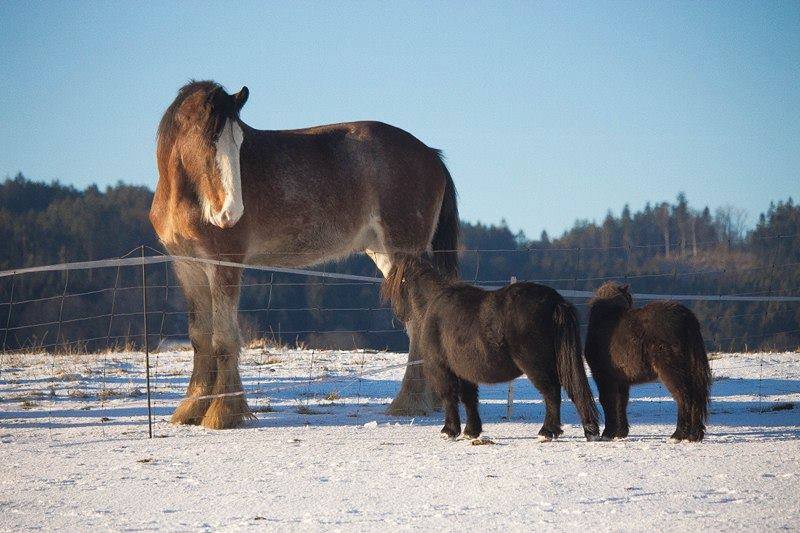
x: 666, y: 248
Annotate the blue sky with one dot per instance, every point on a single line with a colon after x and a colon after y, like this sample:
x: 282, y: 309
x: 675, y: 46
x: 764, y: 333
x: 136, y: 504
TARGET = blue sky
x: 547, y: 112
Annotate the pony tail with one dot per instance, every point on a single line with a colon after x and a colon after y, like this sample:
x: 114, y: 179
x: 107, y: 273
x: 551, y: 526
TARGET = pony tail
x: 571, y: 373
x: 700, y: 375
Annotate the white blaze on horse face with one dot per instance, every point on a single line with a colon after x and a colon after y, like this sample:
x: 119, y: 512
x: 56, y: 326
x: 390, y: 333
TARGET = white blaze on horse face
x: 228, y: 145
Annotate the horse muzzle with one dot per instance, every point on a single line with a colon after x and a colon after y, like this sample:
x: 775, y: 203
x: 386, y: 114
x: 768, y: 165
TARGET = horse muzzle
x: 227, y: 218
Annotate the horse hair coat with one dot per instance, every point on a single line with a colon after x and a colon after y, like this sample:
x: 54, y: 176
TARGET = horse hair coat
x: 468, y: 336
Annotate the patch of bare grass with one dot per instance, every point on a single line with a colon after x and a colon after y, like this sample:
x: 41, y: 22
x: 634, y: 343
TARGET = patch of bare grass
x: 107, y: 393
x: 28, y: 404
x: 333, y: 396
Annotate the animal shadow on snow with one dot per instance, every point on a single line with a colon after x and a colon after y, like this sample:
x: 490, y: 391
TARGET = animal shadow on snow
x: 366, y: 400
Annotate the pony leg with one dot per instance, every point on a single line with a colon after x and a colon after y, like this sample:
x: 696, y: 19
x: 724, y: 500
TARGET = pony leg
x: 195, y: 286
x: 608, y: 399
x: 546, y: 382
x: 229, y: 407
x: 697, y: 429
x: 469, y: 396
x: 623, y: 392
x: 447, y: 387
x: 679, y: 393
x: 551, y: 428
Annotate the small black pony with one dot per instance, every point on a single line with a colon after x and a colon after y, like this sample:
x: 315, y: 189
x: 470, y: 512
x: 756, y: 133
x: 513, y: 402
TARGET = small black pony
x: 662, y: 340
x: 468, y: 335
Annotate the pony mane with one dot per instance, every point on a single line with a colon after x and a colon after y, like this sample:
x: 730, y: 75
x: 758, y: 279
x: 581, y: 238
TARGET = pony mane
x: 405, y: 266
x: 391, y: 287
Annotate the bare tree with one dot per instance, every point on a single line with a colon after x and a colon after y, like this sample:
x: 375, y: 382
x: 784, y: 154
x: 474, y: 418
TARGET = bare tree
x: 731, y: 223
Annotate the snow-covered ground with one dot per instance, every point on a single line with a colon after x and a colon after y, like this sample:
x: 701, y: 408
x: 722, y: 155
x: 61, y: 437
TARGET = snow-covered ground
x: 323, y: 455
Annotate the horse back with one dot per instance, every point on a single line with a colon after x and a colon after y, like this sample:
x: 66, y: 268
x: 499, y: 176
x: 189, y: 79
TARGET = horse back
x: 340, y: 188
x: 658, y: 335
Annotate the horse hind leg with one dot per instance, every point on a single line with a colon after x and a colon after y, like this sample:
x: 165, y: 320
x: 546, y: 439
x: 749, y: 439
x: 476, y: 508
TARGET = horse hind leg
x: 469, y: 397
x: 415, y: 397
x: 198, y: 296
x: 381, y: 260
x: 546, y: 382
x: 674, y: 381
x: 608, y: 390
x: 228, y: 407
x: 623, y: 393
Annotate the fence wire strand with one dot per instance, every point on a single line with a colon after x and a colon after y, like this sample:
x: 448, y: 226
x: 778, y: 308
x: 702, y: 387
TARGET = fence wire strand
x: 270, y: 320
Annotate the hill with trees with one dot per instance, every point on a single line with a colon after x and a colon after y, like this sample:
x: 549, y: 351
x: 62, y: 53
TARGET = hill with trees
x: 665, y: 248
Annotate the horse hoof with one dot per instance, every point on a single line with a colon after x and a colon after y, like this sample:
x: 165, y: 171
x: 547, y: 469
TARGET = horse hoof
x: 617, y: 439
x: 445, y: 436
x: 594, y: 438
x: 544, y: 438
x: 674, y: 440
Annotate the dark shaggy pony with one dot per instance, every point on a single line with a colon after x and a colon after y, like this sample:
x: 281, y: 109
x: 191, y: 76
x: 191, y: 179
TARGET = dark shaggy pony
x: 627, y: 346
x: 468, y: 335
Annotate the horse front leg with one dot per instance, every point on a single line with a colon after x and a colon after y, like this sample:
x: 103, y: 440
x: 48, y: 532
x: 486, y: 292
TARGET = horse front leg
x: 228, y: 406
x: 448, y: 388
x: 469, y: 397
x: 194, y: 282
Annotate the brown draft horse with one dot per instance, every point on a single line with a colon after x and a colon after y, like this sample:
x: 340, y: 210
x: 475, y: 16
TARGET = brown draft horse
x: 284, y: 198
x: 627, y: 346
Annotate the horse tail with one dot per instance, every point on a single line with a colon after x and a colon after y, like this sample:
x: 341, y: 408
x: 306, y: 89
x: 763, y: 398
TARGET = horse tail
x: 700, y: 378
x: 445, y: 237
x: 571, y: 373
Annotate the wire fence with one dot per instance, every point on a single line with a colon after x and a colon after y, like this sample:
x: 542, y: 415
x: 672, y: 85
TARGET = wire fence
x: 110, y: 326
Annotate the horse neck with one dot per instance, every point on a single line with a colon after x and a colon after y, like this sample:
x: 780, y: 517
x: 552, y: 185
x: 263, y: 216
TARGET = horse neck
x: 606, y: 312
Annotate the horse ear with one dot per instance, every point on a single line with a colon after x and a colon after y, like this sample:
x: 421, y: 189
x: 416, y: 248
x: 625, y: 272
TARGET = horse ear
x: 240, y: 98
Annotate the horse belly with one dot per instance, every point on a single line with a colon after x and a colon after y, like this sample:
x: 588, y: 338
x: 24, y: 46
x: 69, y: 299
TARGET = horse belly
x: 301, y: 244
x: 480, y: 366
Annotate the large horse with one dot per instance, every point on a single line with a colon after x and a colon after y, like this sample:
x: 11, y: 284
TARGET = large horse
x: 285, y: 198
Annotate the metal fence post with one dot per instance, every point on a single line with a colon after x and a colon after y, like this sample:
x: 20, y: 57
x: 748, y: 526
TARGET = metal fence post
x: 146, y: 348
x: 510, y: 399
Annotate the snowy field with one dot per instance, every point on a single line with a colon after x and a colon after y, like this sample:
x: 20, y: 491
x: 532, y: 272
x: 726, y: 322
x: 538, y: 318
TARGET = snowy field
x: 324, y: 456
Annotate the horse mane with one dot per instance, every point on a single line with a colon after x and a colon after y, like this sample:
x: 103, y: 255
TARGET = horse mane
x: 168, y: 127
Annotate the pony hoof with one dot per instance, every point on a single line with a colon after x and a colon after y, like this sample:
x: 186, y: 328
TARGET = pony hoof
x: 594, y: 438
x: 675, y: 440
x: 544, y: 438
x: 617, y: 439
x: 445, y: 436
